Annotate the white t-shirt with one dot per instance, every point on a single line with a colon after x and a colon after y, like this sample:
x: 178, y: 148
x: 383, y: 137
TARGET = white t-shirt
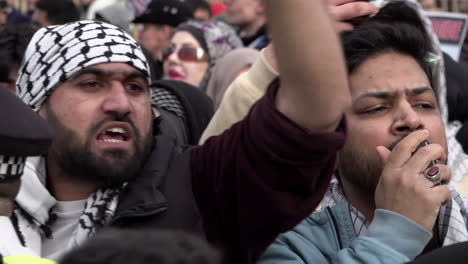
x: 68, y: 215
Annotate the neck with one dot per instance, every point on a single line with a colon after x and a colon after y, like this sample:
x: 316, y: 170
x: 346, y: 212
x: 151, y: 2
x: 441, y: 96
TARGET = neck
x: 252, y: 28
x: 66, y: 188
x: 362, y: 202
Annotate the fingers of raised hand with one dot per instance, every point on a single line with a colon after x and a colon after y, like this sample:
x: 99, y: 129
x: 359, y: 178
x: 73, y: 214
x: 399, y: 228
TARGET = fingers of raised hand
x: 352, y: 9
x: 402, y: 152
x: 445, y: 176
x: 421, y: 158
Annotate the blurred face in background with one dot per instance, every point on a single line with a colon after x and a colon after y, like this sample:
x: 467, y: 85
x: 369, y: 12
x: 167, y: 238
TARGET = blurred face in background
x: 242, y: 12
x: 86, y: 2
x: 155, y: 38
x: 40, y: 18
x: 3, y: 16
x: 185, y: 60
x: 202, y: 15
x: 31, y: 5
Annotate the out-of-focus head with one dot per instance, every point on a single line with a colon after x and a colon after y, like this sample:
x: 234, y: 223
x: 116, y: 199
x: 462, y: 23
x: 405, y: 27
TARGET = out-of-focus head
x: 89, y: 80
x: 31, y: 4
x: 243, y: 13
x: 391, y: 89
x: 166, y: 12
x: 13, y: 42
x: 52, y: 12
x: 3, y: 13
x: 131, y: 246
x: 159, y: 20
x: 430, y: 5
x: 195, y: 49
x: 86, y: 2
x: 202, y: 11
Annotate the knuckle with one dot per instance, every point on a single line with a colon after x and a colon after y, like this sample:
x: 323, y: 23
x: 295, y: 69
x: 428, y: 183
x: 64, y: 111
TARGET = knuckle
x: 359, y: 8
x: 399, y: 147
x: 439, y: 148
x: 422, y: 152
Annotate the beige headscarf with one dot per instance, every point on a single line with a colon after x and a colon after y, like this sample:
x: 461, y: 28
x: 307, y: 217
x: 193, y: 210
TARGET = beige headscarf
x: 226, y: 70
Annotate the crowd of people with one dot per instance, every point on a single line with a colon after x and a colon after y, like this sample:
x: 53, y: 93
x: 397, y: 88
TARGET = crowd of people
x: 241, y: 131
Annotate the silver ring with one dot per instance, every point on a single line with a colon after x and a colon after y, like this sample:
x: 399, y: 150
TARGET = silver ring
x: 433, y: 174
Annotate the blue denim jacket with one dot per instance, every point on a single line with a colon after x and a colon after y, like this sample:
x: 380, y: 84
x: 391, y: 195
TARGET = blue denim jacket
x: 328, y: 236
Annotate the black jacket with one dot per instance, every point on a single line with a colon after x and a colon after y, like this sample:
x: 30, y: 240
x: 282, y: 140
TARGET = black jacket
x: 154, y: 200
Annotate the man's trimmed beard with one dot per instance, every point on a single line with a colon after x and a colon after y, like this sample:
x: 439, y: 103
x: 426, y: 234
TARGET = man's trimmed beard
x: 362, y: 170
x: 111, y: 168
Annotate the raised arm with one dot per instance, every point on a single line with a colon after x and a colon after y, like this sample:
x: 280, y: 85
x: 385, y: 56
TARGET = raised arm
x: 314, y: 90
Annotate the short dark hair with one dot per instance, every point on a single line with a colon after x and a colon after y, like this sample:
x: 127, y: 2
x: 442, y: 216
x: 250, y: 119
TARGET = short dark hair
x: 14, y: 39
x: 59, y: 12
x: 202, y: 4
x: 118, y: 246
x: 397, y: 27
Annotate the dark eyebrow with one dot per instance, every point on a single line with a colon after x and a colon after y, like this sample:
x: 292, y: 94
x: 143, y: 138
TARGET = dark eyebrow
x: 390, y: 95
x: 134, y: 74
x: 378, y: 95
x: 418, y: 91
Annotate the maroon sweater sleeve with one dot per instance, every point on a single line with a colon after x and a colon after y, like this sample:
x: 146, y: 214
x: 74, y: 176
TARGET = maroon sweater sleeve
x: 261, y: 177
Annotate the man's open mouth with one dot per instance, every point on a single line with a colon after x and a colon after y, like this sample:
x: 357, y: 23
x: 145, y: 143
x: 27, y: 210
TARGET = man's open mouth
x: 115, y: 134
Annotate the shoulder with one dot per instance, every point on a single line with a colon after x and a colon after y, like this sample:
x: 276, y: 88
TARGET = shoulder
x: 317, y: 229
x: 311, y: 241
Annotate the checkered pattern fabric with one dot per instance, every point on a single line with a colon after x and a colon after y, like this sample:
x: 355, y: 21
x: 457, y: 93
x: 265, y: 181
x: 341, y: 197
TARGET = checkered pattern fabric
x: 11, y: 167
x: 166, y: 100
x: 56, y: 53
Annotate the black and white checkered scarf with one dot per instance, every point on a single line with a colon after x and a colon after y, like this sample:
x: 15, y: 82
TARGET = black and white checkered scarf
x: 54, y: 55
x: 34, y: 216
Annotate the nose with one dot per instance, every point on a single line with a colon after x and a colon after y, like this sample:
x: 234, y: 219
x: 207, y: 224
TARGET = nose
x: 117, y: 101
x: 406, y: 120
x: 173, y: 57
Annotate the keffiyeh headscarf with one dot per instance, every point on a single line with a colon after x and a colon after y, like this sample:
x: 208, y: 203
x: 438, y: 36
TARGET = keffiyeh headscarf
x: 56, y: 53
x: 216, y: 38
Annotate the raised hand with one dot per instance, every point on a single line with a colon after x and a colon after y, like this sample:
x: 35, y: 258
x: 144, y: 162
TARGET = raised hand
x: 345, y: 10
x: 404, y: 189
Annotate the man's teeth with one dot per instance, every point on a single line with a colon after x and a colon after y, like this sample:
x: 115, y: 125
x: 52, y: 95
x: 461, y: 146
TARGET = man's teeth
x: 116, y: 130
x: 111, y: 140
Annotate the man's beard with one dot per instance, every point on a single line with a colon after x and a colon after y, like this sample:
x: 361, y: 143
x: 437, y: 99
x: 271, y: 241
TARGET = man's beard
x: 361, y: 169
x: 111, y: 168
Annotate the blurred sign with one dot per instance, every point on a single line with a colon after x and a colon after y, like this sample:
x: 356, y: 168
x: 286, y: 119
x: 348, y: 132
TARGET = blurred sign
x: 451, y: 30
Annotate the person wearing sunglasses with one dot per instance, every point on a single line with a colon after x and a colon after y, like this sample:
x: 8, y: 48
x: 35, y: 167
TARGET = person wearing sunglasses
x: 194, y: 50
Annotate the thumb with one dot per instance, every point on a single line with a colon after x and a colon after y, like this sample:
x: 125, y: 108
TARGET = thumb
x: 384, y: 153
